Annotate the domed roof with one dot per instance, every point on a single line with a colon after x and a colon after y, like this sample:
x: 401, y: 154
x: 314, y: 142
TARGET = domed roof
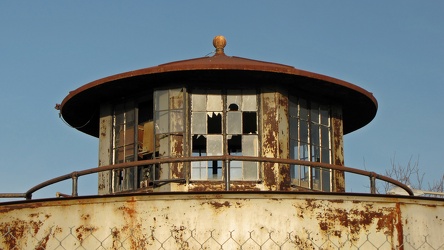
x: 80, y: 108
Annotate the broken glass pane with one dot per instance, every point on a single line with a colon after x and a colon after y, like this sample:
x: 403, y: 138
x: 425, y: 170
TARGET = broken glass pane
x: 234, y: 98
x: 249, y: 123
x: 214, y: 125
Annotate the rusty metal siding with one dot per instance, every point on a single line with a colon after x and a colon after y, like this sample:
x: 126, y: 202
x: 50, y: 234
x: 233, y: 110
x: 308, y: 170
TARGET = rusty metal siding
x: 269, y: 137
x: 224, y: 221
x: 105, y: 138
x: 338, y: 148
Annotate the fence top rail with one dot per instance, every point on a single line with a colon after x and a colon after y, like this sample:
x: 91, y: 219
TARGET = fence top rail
x: 76, y: 174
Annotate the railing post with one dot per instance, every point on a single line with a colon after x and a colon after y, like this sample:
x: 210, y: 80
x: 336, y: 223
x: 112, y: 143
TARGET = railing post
x: 74, y: 184
x: 372, y: 183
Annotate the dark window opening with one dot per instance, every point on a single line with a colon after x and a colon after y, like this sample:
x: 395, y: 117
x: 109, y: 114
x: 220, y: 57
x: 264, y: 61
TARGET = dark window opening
x: 249, y: 125
x: 214, y: 123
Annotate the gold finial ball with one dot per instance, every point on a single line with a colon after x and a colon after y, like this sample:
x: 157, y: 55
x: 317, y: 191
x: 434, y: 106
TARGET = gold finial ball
x: 219, y: 42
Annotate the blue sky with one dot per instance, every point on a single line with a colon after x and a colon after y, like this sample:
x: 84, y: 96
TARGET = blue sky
x: 394, y: 49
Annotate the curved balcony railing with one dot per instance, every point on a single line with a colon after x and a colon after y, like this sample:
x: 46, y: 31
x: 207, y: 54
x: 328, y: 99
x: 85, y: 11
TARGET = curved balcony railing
x: 225, y: 158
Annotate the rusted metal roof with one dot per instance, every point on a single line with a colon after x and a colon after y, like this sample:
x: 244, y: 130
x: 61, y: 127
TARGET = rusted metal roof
x: 80, y: 108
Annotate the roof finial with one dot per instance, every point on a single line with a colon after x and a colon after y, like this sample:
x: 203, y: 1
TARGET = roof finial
x: 219, y: 43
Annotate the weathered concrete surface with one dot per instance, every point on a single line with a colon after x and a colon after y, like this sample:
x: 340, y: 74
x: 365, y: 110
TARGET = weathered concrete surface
x: 247, y: 220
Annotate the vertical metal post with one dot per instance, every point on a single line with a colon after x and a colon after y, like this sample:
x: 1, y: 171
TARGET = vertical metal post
x: 74, y: 185
x: 227, y: 174
x: 372, y: 184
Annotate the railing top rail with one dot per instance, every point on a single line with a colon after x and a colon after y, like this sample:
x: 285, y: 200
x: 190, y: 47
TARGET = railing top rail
x: 76, y: 174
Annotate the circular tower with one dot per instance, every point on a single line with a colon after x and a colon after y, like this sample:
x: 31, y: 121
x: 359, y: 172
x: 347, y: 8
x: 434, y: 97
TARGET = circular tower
x: 219, y: 123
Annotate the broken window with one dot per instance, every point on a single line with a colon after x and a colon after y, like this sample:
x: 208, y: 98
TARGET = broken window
x: 133, y: 140
x: 169, y: 127
x: 310, y: 141
x: 145, y: 129
x: 224, y: 122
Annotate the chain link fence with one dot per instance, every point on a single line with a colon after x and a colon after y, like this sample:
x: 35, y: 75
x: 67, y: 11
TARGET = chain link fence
x: 182, y: 238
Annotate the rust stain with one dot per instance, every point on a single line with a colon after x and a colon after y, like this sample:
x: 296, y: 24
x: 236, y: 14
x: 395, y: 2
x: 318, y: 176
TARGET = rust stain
x: 82, y: 231
x: 218, y: 205
x: 399, y: 227
x: 177, y: 170
x: 14, y: 231
x: 270, y: 138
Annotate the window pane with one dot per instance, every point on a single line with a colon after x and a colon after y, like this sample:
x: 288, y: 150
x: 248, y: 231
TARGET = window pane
x: 199, y: 123
x: 234, y: 100
x: 304, y: 131
x: 161, y: 99
x: 315, y: 154
x: 303, y: 152
x: 249, y: 100
x: 214, y: 145
x: 314, y: 112
x: 294, y: 128
x: 325, y: 114
x: 234, y: 122
x: 129, y: 116
x: 176, y: 98
x: 250, y: 145
x: 293, y: 107
x: 129, y: 134
x: 250, y: 148
x: 161, y: 122
x: 314, y: 134
x: 325, y: 137
x: 325, y: 155
x: 176, y: 121
x: 303, y: 110
x: 325, y: 180
x: 198, y: 102
x: 214, y: 101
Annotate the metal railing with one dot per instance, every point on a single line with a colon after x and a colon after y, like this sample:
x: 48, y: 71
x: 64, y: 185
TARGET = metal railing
x: 225, y: 158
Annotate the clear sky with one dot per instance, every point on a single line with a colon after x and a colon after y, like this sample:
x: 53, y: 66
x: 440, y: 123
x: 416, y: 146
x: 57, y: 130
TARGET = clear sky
x: 394, y: 49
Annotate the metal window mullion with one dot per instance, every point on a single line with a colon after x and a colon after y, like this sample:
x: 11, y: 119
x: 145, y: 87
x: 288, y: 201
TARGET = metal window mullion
x: 225, y: 164
x: 136, y: 144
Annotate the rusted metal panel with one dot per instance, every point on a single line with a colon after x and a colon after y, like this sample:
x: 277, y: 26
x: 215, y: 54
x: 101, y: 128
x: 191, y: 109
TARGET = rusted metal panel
x: 338, y: 149
x: 224, y: 221
x: 269, y: 140
x: 105, y: 137
x: 283, y: 140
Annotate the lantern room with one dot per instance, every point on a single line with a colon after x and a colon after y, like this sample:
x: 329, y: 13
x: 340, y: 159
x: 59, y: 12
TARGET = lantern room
x: 219, y: 123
